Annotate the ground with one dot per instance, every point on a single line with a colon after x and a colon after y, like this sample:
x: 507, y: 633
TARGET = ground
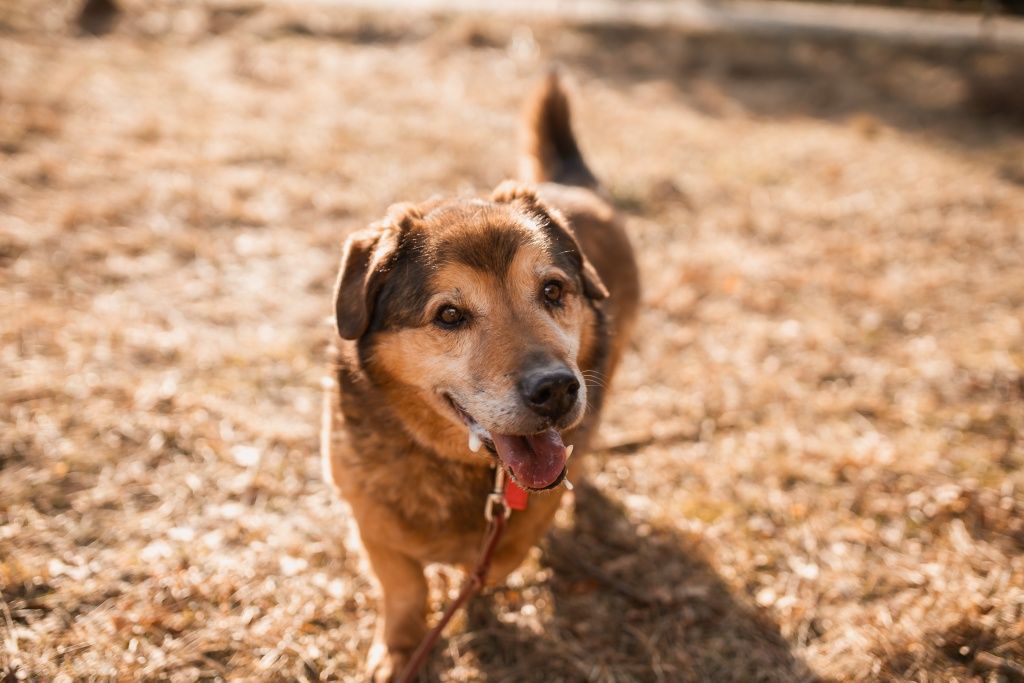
x: 811, y: 465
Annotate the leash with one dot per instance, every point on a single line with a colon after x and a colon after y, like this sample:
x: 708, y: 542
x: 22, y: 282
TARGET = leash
x: 505, y: 497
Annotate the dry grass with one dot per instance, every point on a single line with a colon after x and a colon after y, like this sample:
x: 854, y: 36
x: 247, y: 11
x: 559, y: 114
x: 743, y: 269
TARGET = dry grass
x: 814, y: 455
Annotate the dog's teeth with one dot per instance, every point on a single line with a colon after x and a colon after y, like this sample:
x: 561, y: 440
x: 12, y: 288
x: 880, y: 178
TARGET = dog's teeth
x: 568, y: 484
x: 568, y: 453
x: 474, y: 441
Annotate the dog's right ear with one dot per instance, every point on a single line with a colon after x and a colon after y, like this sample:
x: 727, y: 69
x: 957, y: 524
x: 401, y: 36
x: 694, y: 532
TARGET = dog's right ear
x: 366, y: 258
x: 364, y: 261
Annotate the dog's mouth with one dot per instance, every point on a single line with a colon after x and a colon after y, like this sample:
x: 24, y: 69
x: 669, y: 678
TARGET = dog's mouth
x: 536, y: 461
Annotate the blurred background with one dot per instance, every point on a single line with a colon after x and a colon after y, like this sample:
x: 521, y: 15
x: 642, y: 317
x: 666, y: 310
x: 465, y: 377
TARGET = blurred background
x: 811, y: 464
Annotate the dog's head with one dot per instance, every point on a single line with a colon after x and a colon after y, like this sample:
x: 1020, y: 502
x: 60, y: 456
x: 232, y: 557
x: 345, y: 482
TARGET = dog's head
x: 479, y: 312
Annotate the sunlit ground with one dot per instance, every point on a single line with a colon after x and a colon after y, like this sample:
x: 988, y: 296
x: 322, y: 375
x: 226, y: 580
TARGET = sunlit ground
x: 813, y: 455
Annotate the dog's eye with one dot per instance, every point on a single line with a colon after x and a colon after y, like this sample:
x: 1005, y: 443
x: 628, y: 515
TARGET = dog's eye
x: 553, y: 292
x: 449, y: 316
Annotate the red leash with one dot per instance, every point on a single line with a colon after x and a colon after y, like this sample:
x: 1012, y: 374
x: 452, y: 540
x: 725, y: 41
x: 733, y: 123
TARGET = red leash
x: 505, y: 497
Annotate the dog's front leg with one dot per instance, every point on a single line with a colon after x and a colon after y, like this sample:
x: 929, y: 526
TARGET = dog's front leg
x: 402, y: 623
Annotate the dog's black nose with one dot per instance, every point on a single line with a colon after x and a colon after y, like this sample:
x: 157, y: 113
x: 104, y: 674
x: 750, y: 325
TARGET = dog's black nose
x: 550, y: 393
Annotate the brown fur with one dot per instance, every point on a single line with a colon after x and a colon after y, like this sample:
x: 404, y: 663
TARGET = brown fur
x: 401, y: 458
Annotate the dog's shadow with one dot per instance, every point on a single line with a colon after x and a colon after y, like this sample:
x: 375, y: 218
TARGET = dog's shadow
x: 621, y: 602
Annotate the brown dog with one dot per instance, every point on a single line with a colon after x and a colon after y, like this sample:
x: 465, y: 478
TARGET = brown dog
x: 463, y: 324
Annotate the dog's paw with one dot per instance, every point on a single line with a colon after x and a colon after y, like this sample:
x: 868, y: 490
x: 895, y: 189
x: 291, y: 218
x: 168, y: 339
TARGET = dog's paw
x: 384, y: 665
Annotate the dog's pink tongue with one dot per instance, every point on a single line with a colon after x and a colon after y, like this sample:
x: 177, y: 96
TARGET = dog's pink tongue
x: 536, y: 460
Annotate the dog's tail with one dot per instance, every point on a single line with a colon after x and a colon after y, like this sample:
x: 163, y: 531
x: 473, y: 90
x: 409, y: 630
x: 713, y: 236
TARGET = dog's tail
x: 549, y: 150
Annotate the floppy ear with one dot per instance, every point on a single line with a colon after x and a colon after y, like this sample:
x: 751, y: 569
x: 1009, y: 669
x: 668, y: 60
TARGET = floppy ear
x: 557, y: 226
x: 593, y: 285
x: 366, y: 258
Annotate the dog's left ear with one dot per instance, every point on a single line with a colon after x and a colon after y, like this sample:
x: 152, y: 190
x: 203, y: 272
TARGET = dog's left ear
x: 511, y: 192
x: 365, y: 261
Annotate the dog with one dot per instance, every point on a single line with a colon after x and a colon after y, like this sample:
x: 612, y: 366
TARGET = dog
x: 473, y: 334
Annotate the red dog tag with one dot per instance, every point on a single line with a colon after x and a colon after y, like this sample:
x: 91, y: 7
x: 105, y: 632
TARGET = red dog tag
x: 515, y: 497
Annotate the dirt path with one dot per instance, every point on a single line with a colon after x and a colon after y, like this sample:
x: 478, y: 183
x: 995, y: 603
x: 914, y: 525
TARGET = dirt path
x: 796, y: 19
